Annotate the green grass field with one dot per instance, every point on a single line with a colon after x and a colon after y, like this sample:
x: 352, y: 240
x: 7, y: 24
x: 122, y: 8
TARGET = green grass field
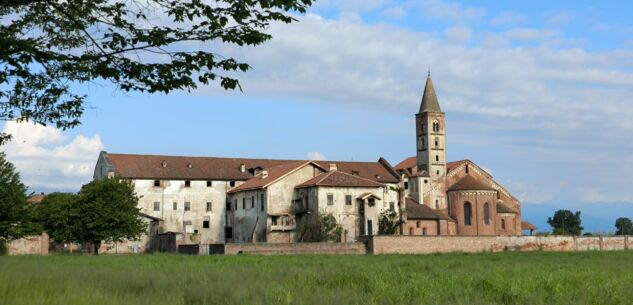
x: 488, y: 278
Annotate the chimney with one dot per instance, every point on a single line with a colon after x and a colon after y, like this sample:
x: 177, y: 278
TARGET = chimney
x: 333, y: 167
x: 264, y: 174
x: 242, y: 167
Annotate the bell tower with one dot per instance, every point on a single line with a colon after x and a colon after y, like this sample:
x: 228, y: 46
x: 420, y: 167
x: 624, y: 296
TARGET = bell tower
x: 431, y: 140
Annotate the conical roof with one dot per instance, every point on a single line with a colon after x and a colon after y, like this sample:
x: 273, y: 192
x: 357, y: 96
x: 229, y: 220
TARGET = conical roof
x: 429, y: 99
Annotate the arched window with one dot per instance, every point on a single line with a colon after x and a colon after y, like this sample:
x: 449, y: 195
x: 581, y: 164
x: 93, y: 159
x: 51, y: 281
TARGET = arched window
x: 417, y: 224
x: 423, y: 231
x: 437, y: 142
x: 436, y: 126
x: 410, y: 231
x: 468, y: 212
x: 503, y: 224
x: 486, y: 214
x: 466, y: 168
x: 437, y: 158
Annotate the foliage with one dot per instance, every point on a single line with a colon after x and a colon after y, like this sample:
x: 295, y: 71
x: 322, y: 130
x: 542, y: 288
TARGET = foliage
x: 624, y: 226
x: 3, y: 247
x: 534, y: 278
x: 389, y: 222
x: 15, y: 214
x: 146, y: 46
x: 58, y: 213
x: 319, y: 228
x: 107, y: 211
x: 565, y: 223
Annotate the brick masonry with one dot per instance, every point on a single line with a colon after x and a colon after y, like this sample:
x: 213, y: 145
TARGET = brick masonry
x: 29, y: 245
x: 444, y: 244
x: 295, y: 248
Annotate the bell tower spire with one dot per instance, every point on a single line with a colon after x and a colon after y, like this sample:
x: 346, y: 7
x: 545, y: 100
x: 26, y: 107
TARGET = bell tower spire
x: 430, y: 135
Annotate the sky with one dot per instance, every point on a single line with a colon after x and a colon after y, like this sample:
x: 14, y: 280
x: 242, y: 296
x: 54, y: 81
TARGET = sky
x: 539, y: 93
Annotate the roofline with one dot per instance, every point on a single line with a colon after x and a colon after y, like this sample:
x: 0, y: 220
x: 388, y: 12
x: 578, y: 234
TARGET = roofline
x: 329, y: 173
x: 235, y: 190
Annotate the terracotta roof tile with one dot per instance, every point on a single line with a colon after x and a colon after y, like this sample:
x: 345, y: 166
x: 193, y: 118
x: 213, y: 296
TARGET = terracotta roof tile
x: 338, y: 178
x: 502, y: 208
x: 470, y: 183
x: 217, y: 168
x: 419, y: 211
x: 274, y: 173
x: 527, y: 226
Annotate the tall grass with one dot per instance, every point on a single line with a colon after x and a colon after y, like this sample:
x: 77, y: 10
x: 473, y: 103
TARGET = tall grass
x: 489, y: 278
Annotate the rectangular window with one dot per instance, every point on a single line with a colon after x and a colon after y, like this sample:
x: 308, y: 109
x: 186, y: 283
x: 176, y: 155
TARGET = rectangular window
x: 392, y: 206
x: 187, y: 206
x: 228, y: 205
x: 244, y: 203
x: 261, y: 201
x: 156, y: 182
x: 330, y: 199
x: 371, y: 202
x: 236, y: 204
x: 209, y: 206
x: 205, y: 224
x: 156, y: 206
x: 406, y: 185
x: 228, y: 233
x: 231, y: 183
x: 187, y: 183
x: 209, y: 183
x: 175, y: 206
x: 252, y: 202
x: 348, y: 199
x: 274, y: 220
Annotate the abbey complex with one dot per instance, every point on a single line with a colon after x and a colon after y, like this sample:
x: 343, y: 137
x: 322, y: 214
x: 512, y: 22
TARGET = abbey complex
x: 213, y: 200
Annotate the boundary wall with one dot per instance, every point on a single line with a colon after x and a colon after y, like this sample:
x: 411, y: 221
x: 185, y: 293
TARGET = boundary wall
x: 444, y: 244
x: 295, y: 248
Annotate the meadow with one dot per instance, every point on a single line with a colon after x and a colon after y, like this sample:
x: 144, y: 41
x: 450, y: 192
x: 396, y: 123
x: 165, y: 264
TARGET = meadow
x: 458, y: 278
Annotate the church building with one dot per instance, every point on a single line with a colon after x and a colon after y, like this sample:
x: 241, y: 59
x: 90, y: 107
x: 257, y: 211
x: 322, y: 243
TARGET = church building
x: 211, y: 200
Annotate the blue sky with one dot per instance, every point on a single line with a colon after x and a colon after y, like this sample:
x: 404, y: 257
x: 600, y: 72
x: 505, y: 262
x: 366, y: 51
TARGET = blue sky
x: 540, y: 93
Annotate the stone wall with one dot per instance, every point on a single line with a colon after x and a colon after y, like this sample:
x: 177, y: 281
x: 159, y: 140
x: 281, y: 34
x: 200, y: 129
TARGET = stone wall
x: 295, y: 248
x: 29, y: 245
x: 443, y: 244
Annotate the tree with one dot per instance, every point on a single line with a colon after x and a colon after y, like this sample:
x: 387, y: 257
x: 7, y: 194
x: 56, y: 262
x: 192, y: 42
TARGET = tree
x: 565, y: 222
x: 15, y: 214
x: 320, y: 228
x: 107, y: 211
x: 58, y: 213
x: 146, y: 46
x: 624, y: 226
x: 401, y: 205
x: 389, y: 222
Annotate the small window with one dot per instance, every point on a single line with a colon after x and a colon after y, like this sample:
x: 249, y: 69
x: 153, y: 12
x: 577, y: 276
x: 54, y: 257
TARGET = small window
x: 426, y: 181
x: 209, y: 183
x: 244, y: 203
x: 228, y: 233
x: 156, y: 206
x: 231, y: 183
x: 466, y: 168
x: 205, y: 224
x: 410, y: 231
x: 437, y: 142
x: 423, y: 231
x: 209, y: 206
x: 486, y: 214
x: 261, y: 201
x: 228, y: 205
x: 274, y: 220
x: 371, y: 202
x: 348, y: 199
x: 236, y: 204
x: 187, y: 206
x: 417, y: 224
x: 156, y: 182
x: 175, y: 206
x: 392, y: 206
x: 437, y: 158
x: 468, y: 212
x: 438, y: 172
x: 252, y: 202
x: 406, y: 185
x: 330, y: 199
x: 187, y: 183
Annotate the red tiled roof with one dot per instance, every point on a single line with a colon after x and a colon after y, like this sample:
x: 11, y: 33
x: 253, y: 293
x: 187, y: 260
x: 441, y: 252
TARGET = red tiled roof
x: 407, y: 163
x: 216, y: 168
x: 37, y: 198
x: 452, y: 165
x: 416, y: 210
x: 274, y: 173
x: 502, y: 208
x: 338, y: 178
x: 527, y: 226
x: 470, y: 183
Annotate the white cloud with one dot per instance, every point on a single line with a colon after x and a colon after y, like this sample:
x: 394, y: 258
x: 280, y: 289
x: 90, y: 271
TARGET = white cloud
x: 316, y: 156
x: 395, y: 12
x: 450, y: 11
x: 560, y: 18
x: 46, y: 159
x: 507, y: 18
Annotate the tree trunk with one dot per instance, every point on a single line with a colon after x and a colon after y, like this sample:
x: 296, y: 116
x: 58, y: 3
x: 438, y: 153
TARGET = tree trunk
x: 97, y: 245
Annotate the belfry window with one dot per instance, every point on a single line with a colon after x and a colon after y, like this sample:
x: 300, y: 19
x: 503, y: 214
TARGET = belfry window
x: 437, y: 158
x: 468, y: 212
x: 436, y: 126
x: 486, y: 214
